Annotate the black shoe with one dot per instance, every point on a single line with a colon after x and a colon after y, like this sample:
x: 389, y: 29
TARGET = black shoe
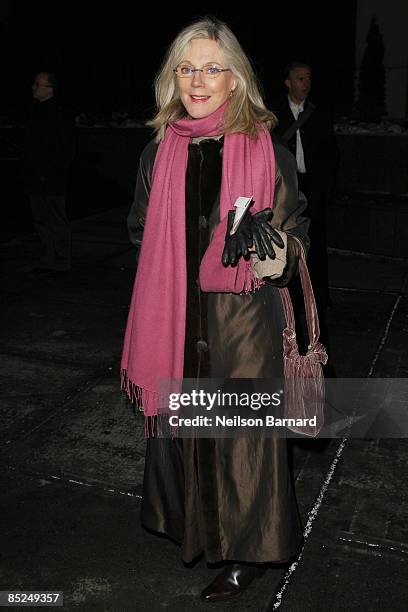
x: 231, y: 582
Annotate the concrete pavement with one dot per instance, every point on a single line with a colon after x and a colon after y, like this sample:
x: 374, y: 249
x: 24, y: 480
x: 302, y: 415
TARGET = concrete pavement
x: 72, y: 448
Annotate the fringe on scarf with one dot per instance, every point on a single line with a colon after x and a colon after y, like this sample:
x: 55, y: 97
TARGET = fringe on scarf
x: 251, y: 283
x: 142, y: 399
x: 157, y: 423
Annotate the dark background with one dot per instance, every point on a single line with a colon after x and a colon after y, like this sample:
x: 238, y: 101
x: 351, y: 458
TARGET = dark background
x: 106, y: 56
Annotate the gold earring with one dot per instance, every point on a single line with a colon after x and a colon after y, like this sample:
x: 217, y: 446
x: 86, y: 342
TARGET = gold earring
x: 231, y: 93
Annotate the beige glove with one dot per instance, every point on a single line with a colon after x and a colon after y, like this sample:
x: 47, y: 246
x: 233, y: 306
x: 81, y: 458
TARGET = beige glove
x: 271, y: 268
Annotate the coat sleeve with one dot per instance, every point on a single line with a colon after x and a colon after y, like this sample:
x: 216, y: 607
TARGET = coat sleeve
x: 137, y: 214
x: 288, y: 207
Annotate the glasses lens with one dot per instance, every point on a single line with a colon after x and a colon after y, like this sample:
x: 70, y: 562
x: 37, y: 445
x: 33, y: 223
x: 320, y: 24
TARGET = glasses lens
x: 211, y: 70
x: 184, y: 70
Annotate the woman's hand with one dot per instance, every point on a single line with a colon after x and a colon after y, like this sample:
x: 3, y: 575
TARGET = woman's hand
x: 254, y: 234
x: 236, y: 245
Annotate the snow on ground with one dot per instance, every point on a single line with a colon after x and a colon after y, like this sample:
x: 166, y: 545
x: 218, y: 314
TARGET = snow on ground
x: 351, y: 126
x: 117, y: 120
x: 343, y: 125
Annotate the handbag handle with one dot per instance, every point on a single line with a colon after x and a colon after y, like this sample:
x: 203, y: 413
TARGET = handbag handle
x: 312, y: 318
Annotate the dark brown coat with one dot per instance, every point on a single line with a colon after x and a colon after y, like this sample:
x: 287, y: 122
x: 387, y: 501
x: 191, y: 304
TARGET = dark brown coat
x: 231, y: 498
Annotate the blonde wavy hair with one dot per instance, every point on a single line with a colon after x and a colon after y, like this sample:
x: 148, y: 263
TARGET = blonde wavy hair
x: 246, y: 109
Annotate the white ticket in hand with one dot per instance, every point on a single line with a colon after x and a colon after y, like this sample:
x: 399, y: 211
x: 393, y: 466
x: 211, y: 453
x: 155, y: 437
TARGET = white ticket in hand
x: 241, y: 206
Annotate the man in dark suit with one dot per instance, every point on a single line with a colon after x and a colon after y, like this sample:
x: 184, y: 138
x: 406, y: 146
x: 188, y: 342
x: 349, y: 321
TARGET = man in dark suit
x: 308, y: 132
x: 47, y: 153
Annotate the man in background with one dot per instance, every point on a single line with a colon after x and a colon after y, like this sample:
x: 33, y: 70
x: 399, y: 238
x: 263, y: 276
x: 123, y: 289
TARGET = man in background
x: 47, y: 153
x: 307, y: 130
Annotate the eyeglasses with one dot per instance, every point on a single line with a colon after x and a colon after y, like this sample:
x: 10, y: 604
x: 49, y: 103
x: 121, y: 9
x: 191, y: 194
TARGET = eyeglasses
x: 36, y: 84
x: 209, y: 71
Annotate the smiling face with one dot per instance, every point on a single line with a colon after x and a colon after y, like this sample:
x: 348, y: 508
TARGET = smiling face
x: 200, y: 96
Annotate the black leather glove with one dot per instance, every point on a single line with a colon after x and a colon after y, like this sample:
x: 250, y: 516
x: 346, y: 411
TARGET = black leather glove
x: 254, y: 230
x: 236, y: 245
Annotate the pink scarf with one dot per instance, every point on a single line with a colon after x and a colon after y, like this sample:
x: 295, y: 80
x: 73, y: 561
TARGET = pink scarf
x: 154, y: 340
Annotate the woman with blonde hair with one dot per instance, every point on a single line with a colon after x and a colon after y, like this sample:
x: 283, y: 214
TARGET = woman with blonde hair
x: 206, y: 303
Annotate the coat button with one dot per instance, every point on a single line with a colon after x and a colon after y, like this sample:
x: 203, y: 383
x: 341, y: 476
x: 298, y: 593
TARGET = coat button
x: 202, y: 346
x: 202, y: 222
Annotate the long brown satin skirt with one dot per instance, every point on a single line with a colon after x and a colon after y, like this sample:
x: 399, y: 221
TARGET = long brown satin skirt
x: 231, y: 498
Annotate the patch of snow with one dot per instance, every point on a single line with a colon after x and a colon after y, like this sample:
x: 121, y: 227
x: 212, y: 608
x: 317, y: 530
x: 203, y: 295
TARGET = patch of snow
x: 117, y: 120
x: 351, y: 126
